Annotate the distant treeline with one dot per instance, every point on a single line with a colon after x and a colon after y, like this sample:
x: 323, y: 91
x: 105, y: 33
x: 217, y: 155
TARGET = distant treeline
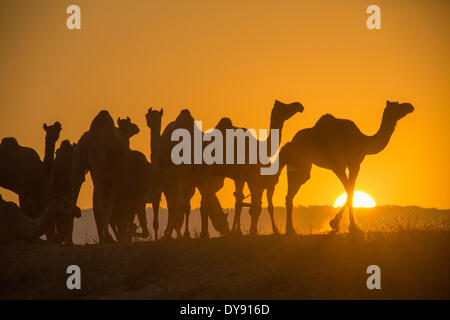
x: 307, y: 220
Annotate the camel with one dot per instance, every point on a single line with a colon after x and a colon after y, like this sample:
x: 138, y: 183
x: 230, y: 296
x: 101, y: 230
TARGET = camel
x: 103, y: 151
x: 15, y: 225
x: 140, y: 181
x: 250, y: 173
x: 48, y: 180
x: 51, y: 136
x: 23, y: 172
x: 178, y: 182
x: 59, y: 186
x: 337, y: 145
x: 154, y: 118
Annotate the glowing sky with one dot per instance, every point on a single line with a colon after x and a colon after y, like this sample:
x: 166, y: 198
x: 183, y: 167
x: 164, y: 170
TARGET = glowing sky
x: 234, y: 58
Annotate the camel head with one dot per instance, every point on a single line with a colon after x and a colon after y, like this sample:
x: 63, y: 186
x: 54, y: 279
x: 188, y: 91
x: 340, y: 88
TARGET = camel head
x: 283, y: 111
x: 52, y: 132
x: 154, y: 117
x: 128, y: 128
x: 396, y: 111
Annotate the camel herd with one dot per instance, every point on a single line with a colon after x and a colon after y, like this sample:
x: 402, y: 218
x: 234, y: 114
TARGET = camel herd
x: 124, y: 181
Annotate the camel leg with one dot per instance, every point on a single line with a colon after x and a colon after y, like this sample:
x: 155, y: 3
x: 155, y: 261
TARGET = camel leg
x: 155, y: 206
x: 122, y: 229
x: 178, y: 219
x: 98, y: 208
x: 269, y: 194
x: 68, y: 231
x: 239, y: 196
x: 217, y: 216
x: 175, y: 212
x: 171, y: 215
x: 179, y: 223
x: 187, y: 235
x: 204, y: 216
x: 122, y: 218
x: 142, y: 217
x: 353, y: 174
x: 296, y: 176
x: 255, y: 209
x: 111, y: 209
x: 334, y: 223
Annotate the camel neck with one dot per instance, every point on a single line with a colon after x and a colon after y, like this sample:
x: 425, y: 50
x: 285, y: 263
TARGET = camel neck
x: 155, y: 141
x: 379, y: 140
x: 49, y: 155
x: 126, y: 138
x: 277, y: 125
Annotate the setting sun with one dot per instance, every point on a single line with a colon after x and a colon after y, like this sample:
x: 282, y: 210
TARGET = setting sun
x: 360, y: 199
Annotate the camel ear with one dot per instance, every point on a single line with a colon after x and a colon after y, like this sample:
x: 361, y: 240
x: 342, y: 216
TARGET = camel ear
x: 150, y: 109
x: 162, y: 111
x: 45, y: 126
x: 128, y: 118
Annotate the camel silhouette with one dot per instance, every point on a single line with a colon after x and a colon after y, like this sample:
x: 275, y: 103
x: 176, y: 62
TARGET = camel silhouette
x: 337, y: 145
x: 180, y: 181
x: 23, y: 172
x: 51, y: 137
x: 154, y: 119
x: 250, y: 173
x: 103, y: 151
x: 16, y: 225
x: 177, y: 180
x: 39, y: 183
x: 140, y: 182
x: 60, y: 186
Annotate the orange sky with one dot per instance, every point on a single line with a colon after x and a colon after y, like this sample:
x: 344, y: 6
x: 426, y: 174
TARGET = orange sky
x: 234, y: 58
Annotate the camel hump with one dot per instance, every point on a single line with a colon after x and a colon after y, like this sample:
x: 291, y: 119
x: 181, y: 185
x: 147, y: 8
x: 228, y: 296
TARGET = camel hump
x: 9, y: 142
x: 185, y: 116
x: 326, y: 120
x: 102, y: 121
x: 224, y: 123
x: 65, y: 147
x: 326, y: 117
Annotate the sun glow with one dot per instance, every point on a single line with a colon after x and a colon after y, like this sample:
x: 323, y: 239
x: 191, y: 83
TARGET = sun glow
x: 360, y: 199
